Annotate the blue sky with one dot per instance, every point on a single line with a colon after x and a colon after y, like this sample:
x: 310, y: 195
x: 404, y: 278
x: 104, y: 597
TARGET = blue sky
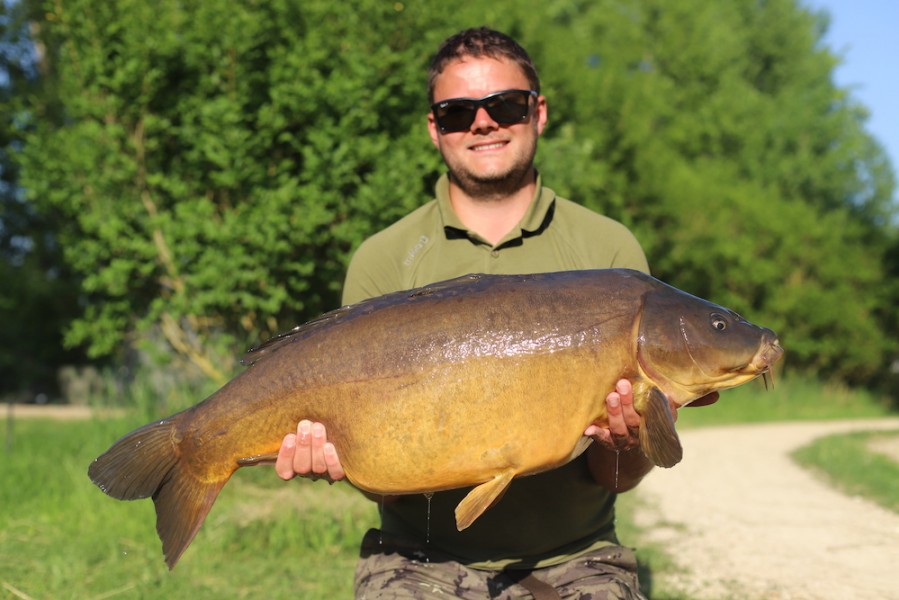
x: 865, y: 33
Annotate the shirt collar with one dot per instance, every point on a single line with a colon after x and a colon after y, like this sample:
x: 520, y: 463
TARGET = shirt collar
x: 534, y: 221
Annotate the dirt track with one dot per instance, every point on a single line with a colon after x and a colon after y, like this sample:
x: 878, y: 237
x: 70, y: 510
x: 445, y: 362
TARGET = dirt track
x: 58, y: 412
x: 744, y: 522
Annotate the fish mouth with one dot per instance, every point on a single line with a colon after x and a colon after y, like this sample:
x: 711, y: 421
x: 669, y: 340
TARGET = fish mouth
x: 769, y: 354
x: 761, y: 364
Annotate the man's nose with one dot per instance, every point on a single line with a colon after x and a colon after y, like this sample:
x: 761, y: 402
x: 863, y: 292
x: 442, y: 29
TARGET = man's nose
x: 483, y: 121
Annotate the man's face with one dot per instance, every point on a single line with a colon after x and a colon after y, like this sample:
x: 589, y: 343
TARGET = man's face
x: 488, y: 158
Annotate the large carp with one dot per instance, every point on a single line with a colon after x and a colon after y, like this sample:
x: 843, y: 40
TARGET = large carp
x: 468, y: 382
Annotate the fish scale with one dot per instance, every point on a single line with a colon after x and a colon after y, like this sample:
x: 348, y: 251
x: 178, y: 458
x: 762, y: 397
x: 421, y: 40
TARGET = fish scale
x: 469, y: 382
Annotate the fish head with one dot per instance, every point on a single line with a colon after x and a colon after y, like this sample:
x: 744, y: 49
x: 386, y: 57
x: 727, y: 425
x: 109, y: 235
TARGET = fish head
x: 690, y: 347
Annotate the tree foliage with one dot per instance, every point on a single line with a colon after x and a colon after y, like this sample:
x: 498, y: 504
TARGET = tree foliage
x: 216, y: 167
x: 212, y: 170
x: 747, y: 174
x: 38, y: 291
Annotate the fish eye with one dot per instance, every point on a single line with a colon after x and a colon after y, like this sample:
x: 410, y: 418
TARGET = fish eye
x: 718, y: 322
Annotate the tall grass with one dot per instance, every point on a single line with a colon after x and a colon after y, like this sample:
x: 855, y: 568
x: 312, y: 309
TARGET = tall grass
x: 147, y: 394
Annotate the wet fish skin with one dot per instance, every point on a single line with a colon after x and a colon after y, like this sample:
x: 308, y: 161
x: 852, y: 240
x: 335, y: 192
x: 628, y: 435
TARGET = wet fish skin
x: 469, y: 382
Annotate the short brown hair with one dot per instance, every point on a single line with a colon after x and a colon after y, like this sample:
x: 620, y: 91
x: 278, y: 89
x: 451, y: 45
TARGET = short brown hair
x: 481, y: 42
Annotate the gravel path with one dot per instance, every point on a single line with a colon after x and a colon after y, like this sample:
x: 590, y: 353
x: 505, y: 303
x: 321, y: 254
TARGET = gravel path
x: 744, y: 522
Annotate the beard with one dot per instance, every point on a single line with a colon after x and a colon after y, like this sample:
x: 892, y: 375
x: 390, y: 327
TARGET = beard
x: 491, y: 186
x: 494, y: 185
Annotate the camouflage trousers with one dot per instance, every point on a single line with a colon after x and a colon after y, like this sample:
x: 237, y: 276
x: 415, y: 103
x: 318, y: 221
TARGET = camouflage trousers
x: 391, y: 569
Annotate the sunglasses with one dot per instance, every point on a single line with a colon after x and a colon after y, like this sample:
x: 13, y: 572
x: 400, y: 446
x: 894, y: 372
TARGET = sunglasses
x: 506, y: 108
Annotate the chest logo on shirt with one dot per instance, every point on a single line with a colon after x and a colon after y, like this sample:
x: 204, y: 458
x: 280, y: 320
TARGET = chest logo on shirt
x: 414, y: 250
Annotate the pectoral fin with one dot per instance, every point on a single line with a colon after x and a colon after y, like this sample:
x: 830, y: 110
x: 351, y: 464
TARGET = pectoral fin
x: 658, y: 437
x: 481, y: 498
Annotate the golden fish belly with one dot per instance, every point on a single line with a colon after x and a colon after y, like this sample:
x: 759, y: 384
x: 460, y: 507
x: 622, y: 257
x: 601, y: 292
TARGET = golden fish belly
x: 462, y: 424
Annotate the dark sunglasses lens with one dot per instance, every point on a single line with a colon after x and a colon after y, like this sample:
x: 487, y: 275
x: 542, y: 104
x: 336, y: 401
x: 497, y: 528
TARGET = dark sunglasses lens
x: 506, y: 108
x: 455, y: 116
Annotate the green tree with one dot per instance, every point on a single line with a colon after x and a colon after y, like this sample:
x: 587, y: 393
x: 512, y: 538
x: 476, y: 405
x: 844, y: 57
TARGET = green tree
x: 213, y: 170
x: 38, y: 292
x: 216, y: 167
x: 714, y: 129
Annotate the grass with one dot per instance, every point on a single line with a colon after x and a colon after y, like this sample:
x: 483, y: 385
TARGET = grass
x: 847, y: 462
x: 785, y: 400
x: 652, y: 559
x: 60, y: 537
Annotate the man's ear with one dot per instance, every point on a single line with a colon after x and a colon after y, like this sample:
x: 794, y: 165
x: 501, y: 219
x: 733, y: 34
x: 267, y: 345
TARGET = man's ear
x: 433, y: 131
x: 541, y: 113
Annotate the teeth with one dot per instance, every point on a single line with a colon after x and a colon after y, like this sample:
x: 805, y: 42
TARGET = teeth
x: 488, y: 147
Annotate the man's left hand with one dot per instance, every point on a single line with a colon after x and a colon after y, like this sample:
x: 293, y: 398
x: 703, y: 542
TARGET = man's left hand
x: 623, y: 428
x: 624, y: 421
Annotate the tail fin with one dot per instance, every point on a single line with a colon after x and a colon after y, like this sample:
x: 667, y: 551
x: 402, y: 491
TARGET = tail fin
x: 147, y: 463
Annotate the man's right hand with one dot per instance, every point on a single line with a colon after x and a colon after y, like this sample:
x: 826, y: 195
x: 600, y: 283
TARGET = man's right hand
x: 308, y: 453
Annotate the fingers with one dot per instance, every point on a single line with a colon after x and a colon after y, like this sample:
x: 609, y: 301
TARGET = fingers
x: 332, y: 463
x: 308, y: 453
x: 284, y: 463
x: 626, y: 416
x: 623, y: 419
x: 313, y: 459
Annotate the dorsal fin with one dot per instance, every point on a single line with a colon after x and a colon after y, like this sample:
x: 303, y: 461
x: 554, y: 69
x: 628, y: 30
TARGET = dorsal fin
x: 352, y: 311
x: 299, y: 332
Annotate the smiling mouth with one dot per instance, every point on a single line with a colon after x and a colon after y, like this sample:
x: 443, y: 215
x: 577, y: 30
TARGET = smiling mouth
x: 486, y: 147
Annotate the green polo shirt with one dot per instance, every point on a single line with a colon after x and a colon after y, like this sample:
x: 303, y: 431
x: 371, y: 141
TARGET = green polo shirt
x: 543, y: 519
x: 431, y: 244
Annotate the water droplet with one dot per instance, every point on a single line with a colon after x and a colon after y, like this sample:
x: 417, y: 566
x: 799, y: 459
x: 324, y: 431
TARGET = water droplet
x: 617, y: 457
x: 429, y: 496
x: 381, y: 517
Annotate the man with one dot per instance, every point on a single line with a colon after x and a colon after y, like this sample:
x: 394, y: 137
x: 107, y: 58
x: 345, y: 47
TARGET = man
x: 551, y: 534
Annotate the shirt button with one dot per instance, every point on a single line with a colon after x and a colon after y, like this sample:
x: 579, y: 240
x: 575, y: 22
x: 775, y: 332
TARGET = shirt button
x: 494, y: 253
